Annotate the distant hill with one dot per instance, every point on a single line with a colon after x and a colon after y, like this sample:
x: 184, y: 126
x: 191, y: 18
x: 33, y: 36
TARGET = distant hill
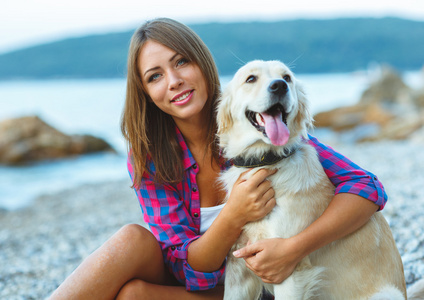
x: 309, y: 46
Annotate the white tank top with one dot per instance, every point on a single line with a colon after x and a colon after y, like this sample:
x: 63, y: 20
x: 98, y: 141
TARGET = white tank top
x: 208, y: 215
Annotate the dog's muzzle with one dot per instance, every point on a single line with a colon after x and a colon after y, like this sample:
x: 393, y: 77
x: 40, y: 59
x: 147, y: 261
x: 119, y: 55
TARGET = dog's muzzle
x: 272, y: 122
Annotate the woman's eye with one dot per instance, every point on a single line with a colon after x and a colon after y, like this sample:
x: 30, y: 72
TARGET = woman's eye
x: 251, y: 79
x: 182, y: 61
x: 153, y: 77
x: 287, y: 78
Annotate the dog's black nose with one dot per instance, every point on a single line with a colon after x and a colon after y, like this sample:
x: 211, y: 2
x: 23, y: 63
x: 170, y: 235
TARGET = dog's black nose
x: 278, y: 87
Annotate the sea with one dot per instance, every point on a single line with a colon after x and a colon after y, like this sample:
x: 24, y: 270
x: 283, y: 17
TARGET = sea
x: 95, y: 106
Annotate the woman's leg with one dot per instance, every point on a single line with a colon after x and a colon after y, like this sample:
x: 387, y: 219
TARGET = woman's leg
x: 130, y: 264
x: 132, y: 252
x: 141, y: 290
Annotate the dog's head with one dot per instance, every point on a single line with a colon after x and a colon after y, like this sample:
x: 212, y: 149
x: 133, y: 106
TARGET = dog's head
x: 264, y: 105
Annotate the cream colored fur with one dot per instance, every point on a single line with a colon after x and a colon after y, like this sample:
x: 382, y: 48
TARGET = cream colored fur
x: 363, y: 265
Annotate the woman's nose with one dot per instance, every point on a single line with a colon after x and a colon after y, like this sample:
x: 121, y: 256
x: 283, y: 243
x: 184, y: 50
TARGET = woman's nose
x: 175, y: 80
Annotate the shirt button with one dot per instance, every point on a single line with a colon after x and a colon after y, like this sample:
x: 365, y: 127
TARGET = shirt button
x: 196, y: 215
x: 172, y: 247
x: 194, y: 166
x: 194, y: 189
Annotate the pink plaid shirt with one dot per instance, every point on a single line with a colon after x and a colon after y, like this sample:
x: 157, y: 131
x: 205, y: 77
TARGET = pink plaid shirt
x: 172, y: 211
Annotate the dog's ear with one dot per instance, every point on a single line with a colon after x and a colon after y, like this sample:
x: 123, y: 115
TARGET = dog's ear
x: 304, y: 119
x: 224, y: 118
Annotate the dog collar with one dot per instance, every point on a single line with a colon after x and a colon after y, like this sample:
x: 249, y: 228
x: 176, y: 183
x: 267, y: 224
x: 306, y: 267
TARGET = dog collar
x: 269, y: 158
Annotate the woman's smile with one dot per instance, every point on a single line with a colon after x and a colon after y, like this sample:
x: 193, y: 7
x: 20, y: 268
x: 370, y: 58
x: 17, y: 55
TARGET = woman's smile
x: 182, y: 98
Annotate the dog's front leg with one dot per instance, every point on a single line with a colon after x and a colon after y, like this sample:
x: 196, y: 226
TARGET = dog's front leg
x: 303, y: 284
x: 240, y: 282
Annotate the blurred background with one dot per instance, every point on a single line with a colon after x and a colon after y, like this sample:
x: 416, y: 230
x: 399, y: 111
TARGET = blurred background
x: 65, y: 63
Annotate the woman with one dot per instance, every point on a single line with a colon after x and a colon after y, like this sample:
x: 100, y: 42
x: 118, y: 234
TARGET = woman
x: 169, y: 122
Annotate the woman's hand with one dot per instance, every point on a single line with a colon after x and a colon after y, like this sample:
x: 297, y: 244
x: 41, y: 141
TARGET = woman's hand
x: 253, y: 198
x: 273, y: 260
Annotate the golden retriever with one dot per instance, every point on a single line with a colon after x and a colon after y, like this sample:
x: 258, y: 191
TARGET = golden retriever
x: 263, y: 118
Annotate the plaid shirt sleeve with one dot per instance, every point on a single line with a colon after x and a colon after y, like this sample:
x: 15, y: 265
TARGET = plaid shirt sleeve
x: 169, y: 219
x: 348, y: 177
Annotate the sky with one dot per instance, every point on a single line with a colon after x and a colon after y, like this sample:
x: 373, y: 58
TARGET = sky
x: 25, y: 23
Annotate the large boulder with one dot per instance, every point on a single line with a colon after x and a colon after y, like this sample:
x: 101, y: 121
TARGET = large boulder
x: 396, y: 110
x: 29, y: 139
x: 349, y: 117
x: 387, y: 88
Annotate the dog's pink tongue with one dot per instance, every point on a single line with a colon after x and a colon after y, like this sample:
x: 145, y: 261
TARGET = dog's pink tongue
x: 275, y: 129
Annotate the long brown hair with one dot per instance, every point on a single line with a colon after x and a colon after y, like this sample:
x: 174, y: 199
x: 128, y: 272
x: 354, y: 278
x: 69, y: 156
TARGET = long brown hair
x: 148, y: 130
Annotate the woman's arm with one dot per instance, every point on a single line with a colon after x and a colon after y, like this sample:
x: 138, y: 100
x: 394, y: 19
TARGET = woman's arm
x: 249, y: 200
x: 347, y: 176
x: 275, y: 259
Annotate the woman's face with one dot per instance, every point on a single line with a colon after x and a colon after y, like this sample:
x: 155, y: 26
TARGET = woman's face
x: 176, y: 85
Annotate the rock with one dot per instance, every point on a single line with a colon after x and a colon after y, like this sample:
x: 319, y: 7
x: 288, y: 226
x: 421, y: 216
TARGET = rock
x: 345, y: 118
x: 389, y: 104
x: 400, y: 129
x: 341, y: 118
x: 29, y: 139
x: 389, y: 88
x: 378, y: 113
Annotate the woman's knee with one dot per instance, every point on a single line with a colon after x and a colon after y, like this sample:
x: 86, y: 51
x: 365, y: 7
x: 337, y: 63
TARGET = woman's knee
x: 135, y: 244
x: 142, y: 252
x: 134, y: 230
x: 136, y: 235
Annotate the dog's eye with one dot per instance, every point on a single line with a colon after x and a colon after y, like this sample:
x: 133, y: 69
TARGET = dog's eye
x: 287, y: 78
x: 251, y: 79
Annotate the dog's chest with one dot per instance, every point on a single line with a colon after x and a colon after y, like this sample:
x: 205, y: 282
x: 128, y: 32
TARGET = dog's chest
x: 302, y: 192
x: 291, y: 215
x: 279, y: 222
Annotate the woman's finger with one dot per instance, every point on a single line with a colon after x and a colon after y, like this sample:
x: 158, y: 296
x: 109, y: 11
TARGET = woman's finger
x: 260, y: 176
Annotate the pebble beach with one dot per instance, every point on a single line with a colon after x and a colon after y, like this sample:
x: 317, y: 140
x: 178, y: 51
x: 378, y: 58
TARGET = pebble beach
x: 43, y: 243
